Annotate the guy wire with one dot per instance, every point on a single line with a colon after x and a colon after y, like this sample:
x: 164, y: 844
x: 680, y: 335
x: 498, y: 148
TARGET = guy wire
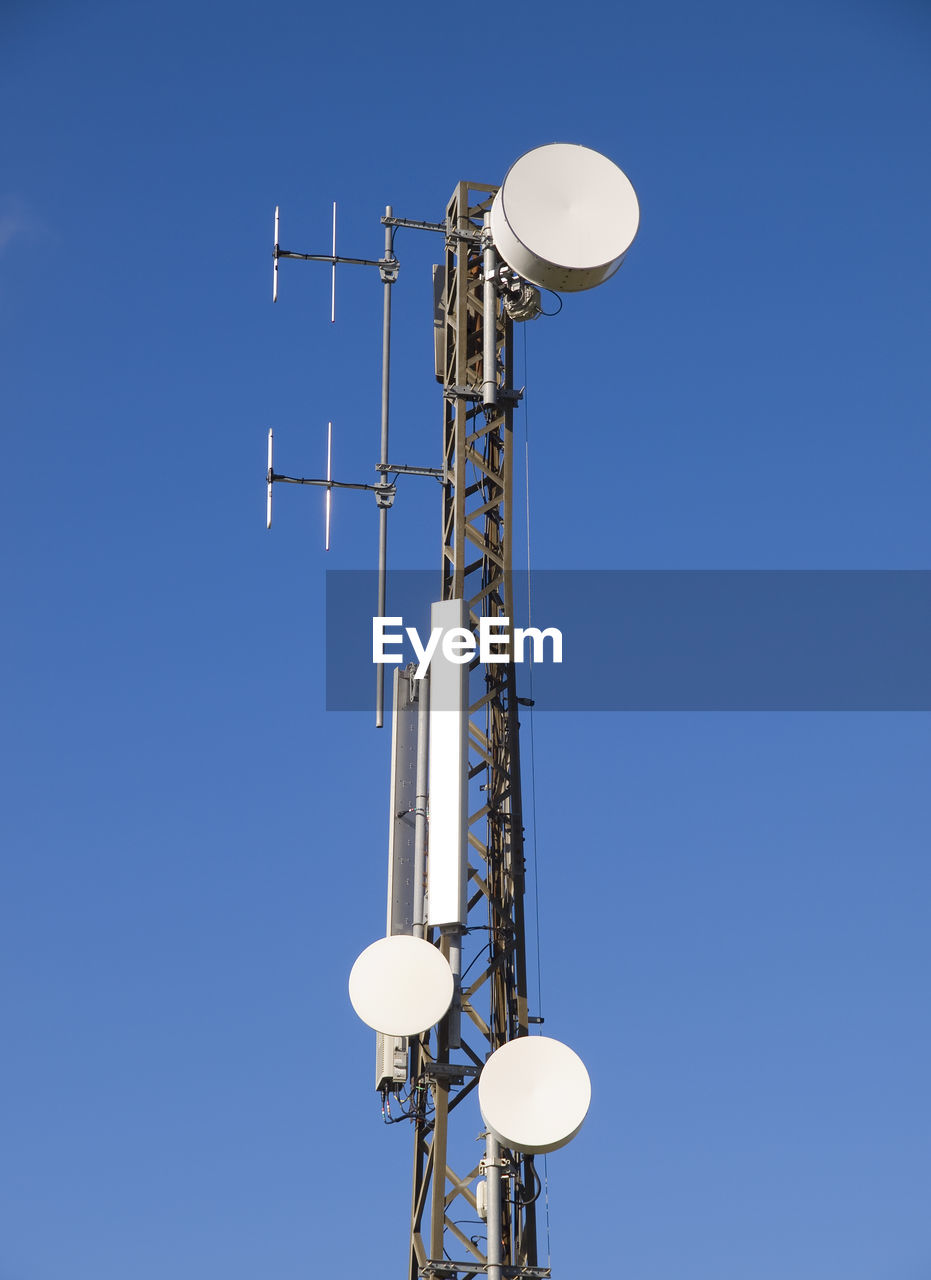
x: 533, y: 775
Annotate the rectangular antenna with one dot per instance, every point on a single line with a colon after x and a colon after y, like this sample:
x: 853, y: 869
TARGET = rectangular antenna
x: 333, y: 272
x: 447, y: 861
x: 329, y: 478
x: 268, y: 503
x: 275, y: 268
x: 402, y: 816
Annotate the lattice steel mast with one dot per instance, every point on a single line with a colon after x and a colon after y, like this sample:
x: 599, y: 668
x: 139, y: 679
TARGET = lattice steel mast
x: 478, y: 457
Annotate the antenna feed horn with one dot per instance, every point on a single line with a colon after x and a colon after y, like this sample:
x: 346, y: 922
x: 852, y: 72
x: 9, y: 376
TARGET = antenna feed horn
x: 384, y: 495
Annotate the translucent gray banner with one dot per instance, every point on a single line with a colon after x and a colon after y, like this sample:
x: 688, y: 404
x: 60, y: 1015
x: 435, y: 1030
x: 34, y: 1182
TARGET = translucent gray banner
x: 675, y: 640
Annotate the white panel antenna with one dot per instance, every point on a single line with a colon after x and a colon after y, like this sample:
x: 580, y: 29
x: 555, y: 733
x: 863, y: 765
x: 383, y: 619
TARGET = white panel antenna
x: 405, y: 823
x: 447, y: 869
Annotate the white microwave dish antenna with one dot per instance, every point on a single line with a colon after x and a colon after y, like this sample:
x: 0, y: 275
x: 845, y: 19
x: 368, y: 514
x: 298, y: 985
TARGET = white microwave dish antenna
x: 401, y: 985
x: 564, y: 217
x: 534, y: 1093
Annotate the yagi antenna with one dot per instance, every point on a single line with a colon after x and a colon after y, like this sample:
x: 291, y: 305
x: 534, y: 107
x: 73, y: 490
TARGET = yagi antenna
x: 328, y: 483
x: 387, y: 266
x: 385, y: 489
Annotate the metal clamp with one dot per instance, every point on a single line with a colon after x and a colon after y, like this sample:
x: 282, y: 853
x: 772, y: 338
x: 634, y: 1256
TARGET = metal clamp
x: 384, y: 495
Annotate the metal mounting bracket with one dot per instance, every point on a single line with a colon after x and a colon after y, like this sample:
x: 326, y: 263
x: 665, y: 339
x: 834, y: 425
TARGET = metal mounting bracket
x: 385, y: 495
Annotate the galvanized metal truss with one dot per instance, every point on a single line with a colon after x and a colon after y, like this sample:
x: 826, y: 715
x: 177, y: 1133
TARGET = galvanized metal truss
x: 478, y: 450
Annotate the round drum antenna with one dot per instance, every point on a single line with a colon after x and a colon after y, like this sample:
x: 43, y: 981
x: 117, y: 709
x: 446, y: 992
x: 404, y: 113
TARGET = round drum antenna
x: 533, y: 1094
x: 401, y: 985
x: 564, y: 217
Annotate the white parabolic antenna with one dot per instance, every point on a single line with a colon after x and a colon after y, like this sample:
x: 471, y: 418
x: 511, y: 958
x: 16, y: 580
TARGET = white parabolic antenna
x: 533, y: 1094
x: 564, y: 217
x: 401, y: 985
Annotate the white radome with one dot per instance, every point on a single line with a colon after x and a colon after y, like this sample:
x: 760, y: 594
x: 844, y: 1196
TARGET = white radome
x: 564, y: 217
x: 401, y: 985
x: 534, y: 1093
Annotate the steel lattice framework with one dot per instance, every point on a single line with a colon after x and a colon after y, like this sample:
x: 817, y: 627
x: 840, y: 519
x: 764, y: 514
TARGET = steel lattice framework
x: 478, y: 455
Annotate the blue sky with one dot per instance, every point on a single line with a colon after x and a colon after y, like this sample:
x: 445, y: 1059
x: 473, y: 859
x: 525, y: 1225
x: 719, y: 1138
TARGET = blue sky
x: 733, y: 907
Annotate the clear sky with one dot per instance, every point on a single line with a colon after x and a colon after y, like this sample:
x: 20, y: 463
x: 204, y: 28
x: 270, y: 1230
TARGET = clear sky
x: 733, y: 906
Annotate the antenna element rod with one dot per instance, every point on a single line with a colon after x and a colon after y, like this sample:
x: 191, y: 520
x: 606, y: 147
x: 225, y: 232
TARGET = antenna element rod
x: 268, y: 500
x: 333, y: 272
x: 275, y: 268
x: 329, y: 475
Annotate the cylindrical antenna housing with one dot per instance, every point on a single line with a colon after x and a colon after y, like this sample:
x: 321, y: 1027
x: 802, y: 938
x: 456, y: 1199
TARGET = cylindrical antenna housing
x: 564, y: 217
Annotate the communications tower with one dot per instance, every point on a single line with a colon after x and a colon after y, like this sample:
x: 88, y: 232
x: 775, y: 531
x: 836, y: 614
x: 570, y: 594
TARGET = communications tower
x: 446, y: 988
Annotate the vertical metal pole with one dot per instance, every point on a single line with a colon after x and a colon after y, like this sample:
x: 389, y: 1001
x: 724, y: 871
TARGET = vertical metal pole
x: 438, y: 1197
x: 420, y: 802
x: 454, y: 1016
x: 489, y: 328
x: 493, y: 1212
x: 383, y: 510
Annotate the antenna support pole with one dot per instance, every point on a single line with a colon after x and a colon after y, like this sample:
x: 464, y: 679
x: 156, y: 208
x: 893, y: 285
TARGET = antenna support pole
x: 493, y: 1205
x: 489, y: 331
x: 389, y: 273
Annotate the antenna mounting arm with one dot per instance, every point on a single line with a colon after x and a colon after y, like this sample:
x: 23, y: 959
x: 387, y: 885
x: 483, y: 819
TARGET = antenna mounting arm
x: 401, y: 469
x: 381, y: 263
x: 275, y: 478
